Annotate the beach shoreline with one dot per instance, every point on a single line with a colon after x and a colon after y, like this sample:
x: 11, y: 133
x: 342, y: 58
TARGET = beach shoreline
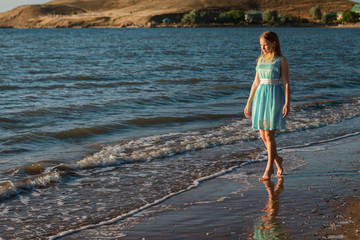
x: 304, y: 204
x: 80, y: 14
x: 149, y: 26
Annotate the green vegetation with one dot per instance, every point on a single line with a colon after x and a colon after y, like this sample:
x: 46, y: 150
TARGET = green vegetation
x: 270, y: 16
x: 253, y: 16
x: 196, y: 17
x: 233, y: 16
x: 237, y: 17
x: 285, y: 19
x: 350, y: 16
x: 315, y: 13
x: 328, y: 18
x: 302, y: 20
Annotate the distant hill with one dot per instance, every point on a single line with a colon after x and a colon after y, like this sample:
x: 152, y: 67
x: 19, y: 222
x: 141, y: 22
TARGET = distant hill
x: 120, y: 13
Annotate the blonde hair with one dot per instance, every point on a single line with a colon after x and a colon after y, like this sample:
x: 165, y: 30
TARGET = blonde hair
x: 271, y: 37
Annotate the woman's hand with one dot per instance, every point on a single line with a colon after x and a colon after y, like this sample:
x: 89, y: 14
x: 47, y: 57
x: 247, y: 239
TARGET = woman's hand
x: 286, y: 110
x: 247, y: 112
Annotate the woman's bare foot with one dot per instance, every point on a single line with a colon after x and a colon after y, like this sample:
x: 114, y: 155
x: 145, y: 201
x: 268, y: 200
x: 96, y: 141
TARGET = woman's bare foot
x: 267, y: 175
x: 278, y: 163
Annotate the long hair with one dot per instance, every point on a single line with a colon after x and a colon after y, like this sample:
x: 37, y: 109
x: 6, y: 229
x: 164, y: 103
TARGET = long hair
x: 272, y: 37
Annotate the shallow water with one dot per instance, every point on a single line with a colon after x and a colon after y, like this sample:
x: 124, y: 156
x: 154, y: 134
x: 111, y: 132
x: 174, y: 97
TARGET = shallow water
x: 99, y: 122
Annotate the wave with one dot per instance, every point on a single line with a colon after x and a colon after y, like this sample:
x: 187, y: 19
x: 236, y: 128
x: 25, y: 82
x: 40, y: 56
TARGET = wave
x: 55, y: 110
x: 76, y: 133
x: 37, y: 87
x: 9, y: 87
x: 13, y: 188
x: 167, y: 145
x: 183, y: 81
x: 16, y: 150
x: 79, y: 132
x: 226, y: 87
x: 33, y: 168
x: 116, y: 219
x: 72, y: 82
x: 7, y: 120
x: 317, y: 104
x: 167, y: 120
x: 83, y: 132
x: 85, y: 78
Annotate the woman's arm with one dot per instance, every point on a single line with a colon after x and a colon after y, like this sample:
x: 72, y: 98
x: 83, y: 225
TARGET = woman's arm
x: 251, y: 96
x: 284, y: 66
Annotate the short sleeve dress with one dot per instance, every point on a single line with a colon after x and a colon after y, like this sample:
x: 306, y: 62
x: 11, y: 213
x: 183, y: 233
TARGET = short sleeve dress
x: 269, y: 97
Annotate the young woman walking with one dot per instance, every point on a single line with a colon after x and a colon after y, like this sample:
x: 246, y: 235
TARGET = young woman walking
x: 269, y: 98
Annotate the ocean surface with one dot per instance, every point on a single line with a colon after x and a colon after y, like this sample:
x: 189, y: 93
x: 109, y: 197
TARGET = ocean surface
x: 97, y: 124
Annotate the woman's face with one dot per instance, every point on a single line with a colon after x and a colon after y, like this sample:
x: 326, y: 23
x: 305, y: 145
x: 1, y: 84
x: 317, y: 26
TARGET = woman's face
x: 267, y: 46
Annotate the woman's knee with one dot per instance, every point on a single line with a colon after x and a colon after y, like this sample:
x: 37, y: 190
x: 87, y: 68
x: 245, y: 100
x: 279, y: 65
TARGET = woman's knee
x: 269, y: 136
x: 262, y: 135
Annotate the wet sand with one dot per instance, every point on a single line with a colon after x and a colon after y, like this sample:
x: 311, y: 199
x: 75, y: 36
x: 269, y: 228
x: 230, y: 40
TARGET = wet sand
x: 306, y: 203
x: 349, y: 227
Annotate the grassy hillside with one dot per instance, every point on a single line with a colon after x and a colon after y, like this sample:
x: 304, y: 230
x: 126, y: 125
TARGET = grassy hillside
x: 118, y: 13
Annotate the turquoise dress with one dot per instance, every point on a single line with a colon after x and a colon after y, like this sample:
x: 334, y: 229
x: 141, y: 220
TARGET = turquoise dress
x: 269, y: 97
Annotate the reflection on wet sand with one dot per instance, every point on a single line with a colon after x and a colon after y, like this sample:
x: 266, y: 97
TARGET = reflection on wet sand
x: 268, y: 226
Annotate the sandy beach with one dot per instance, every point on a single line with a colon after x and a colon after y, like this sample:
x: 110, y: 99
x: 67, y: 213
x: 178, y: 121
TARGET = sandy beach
x: 317, y: 200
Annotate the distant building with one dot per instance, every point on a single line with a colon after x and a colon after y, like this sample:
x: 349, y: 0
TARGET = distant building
x: 253, y: 16
x: 339, y: 15
x: 166, y: 20
x: 356, y: 8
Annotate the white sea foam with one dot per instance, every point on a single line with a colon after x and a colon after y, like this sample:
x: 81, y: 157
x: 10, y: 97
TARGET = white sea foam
x: 341, y: 236
x: 167, y: 145
x: 220, y: 199
x: 146, y: 206
x: 313, y: 146
x: 9, y: 188
x: 24, y: 200
x: 5, y: 209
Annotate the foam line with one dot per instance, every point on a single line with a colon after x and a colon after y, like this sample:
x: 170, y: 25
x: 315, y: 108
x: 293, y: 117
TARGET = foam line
x: 154, y: 147
x: 321, y: 141
x: 195, y: 184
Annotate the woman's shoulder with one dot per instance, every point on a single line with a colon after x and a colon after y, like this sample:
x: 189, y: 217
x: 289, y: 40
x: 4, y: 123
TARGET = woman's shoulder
x: 259, y: 60
x: 283, y: 58
x: 284, y: 61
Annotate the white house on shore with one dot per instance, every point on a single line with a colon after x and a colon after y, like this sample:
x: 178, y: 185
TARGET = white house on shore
x: 356, y: 8
x: 253, y: 16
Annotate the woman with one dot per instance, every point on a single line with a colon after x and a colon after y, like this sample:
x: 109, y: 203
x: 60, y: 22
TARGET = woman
x: 270, y: 98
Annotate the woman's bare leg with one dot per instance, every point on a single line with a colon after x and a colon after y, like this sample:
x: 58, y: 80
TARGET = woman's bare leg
x: 269, y: 140
x: 278, y: 160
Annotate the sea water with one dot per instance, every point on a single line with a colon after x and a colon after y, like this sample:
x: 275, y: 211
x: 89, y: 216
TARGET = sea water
x: 99, y: 123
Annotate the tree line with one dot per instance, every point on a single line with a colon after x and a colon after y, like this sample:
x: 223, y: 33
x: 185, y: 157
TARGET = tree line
x: 237, y: 17
x: 269, y: 16
x: 327, y: 18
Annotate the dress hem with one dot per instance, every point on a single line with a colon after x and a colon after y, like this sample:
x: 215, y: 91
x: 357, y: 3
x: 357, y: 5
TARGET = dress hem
x: 269, y: 129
